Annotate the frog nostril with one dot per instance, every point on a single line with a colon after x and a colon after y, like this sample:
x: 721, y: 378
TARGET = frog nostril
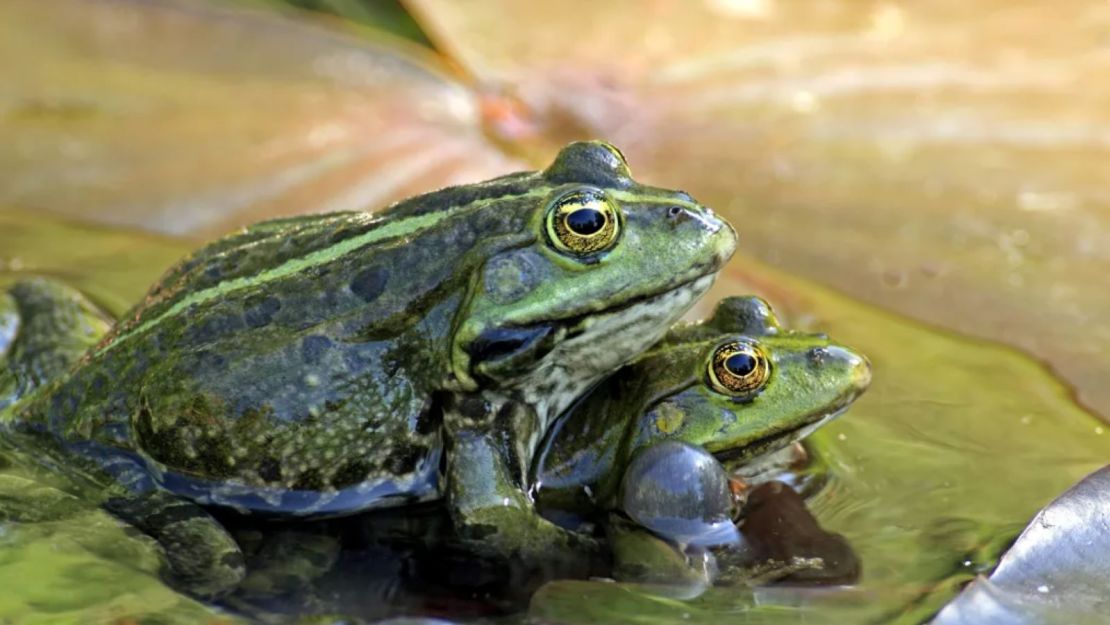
x: 674, y: 211
x: 818, y: 355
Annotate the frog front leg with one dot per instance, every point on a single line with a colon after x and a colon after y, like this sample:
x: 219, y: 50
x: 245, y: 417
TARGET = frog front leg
x: 204, y: 560
x: 487, y: 471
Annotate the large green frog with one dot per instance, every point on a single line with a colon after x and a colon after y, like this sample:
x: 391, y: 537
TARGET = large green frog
x: 737, y: 384
x: 328, y: 364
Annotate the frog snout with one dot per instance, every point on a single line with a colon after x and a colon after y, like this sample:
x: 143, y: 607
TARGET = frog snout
x: 851, y: 369
x: 856, y: 365
x: 722, y: 237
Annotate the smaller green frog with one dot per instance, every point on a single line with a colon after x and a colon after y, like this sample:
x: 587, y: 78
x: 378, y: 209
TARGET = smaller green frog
x: 737, y: 384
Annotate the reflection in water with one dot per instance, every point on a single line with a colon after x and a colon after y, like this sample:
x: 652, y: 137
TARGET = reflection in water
x: 63, y: 561
x: 781, y: 537
x: 385, y: 564
x: 405, y: 562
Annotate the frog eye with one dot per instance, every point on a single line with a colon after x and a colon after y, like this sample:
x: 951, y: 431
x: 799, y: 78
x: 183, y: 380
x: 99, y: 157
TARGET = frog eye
x: 583, y: 222
x: 738, y: 369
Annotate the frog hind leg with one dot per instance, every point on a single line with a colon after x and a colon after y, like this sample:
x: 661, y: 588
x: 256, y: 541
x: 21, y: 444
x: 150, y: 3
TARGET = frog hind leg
x: 204, y: 560
x: 45, y: 327
x: 487, y: 469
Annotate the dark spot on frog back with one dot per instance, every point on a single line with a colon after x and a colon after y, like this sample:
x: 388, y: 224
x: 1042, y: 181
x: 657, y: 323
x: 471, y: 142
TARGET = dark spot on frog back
x: 269, y: 469
x: 259, y: 310
x: 207, y: 360
x: 212, y: 327
x: 314, y: 347
x: 370, y: 283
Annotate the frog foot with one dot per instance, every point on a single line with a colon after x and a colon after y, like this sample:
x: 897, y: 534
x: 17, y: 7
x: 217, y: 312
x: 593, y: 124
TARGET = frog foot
x: 519, y: 532
x: 492, y: 513
x: 204, y: 560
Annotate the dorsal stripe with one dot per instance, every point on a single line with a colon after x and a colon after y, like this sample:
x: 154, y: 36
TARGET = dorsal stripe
x: 401, y: 227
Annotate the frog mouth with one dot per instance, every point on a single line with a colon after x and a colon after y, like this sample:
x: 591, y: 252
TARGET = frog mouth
x: 510, y: 346
x: 780, y: 439
x: 579, y: 324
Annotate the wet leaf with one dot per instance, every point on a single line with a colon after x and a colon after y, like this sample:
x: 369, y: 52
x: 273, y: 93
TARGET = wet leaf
x: 1056, y: 570
x: 113, y: 267
x: 190, y: 116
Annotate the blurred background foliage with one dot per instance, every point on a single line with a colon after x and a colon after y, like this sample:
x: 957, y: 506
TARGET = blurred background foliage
x: 925, y: 181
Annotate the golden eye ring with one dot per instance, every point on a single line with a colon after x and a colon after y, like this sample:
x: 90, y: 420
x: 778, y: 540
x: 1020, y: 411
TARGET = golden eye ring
x: 738, y: 369
x: 583, y: 222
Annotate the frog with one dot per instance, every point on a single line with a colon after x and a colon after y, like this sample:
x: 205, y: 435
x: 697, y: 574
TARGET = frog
x: 324, y: 365
x: 737, y: 384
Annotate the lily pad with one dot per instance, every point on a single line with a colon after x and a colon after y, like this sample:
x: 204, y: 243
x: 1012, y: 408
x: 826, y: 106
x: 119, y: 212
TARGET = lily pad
x: 112, y: 266
x: 63, y: 561
x: 192, y: 116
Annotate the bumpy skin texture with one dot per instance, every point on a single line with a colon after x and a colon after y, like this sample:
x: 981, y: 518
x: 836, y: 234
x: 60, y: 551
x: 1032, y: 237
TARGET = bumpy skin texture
x: 326, y: 364
x: 665, y: 394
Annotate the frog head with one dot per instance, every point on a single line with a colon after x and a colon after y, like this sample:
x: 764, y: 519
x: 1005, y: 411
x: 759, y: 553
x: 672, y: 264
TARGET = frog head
x: 603, y: 267
x: 740, y: 385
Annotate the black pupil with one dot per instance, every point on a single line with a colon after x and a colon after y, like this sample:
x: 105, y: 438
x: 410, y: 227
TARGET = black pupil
x: 586, y: 221
x: 740, y: 364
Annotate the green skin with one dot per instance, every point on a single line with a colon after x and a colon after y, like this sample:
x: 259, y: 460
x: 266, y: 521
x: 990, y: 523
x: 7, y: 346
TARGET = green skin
x: 323, y: 365
x: 665, y: 394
